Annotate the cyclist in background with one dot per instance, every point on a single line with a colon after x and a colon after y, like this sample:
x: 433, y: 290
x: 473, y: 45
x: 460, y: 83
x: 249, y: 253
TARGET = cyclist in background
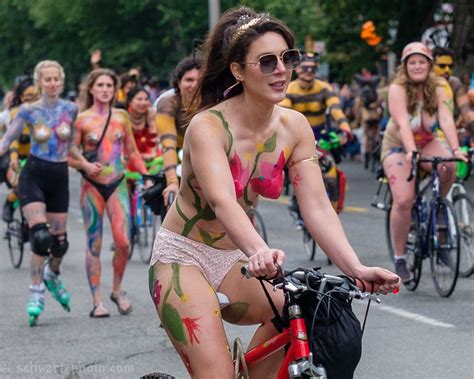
x: 443, y: 66
x: 315, y: 99
x: 143, y: 120
x: 235, y: 149
x: 418, y: 101
x: 25, y: 92
x: 171, y: 108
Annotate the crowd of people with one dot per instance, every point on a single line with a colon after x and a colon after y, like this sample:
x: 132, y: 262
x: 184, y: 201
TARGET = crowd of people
x: 239, y: 121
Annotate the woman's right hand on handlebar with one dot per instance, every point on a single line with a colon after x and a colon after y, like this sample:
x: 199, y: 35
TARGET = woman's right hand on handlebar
x: 379, y: 280
x: 265, y: 261
x: 172, y: 187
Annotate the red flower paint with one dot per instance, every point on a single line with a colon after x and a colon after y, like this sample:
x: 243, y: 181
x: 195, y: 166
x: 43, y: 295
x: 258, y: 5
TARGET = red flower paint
x: 270, y: 182
x: 241, y: 175
x: 156, y: 292
x: 192, y: 326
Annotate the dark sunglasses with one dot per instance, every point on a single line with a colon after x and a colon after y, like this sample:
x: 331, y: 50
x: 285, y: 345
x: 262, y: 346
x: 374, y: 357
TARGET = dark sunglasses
x: 308, y: 69
x: 269, y: 62
x: 442, y: 65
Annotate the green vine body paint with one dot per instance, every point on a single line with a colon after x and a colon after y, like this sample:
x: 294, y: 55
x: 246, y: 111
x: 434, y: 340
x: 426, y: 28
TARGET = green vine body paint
x: 172, y: 322
x: 235, y: 312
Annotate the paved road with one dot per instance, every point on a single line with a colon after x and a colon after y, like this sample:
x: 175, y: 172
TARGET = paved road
x: 416, y: 335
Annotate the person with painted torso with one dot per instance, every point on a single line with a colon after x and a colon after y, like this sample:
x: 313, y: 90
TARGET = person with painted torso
x: 103, y: 184
x: 235, y: 149
x: 25, y: 92
x: 420, y: 105
x: 43, y: 185
x: 171, y: 109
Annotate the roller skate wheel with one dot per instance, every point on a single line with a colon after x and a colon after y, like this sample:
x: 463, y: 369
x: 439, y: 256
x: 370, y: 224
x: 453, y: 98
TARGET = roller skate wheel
x: 33, y: 320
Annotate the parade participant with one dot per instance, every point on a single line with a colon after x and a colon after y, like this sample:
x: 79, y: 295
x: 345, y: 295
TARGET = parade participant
x: 443, y: 66
x: 315, y: 98
x: 171, y: 108
x: 103, y: 184
x: 25, y: 92
x: 235, y: 149
x: 143, y: 121
x: 43, y: 184
x: 418, y: 101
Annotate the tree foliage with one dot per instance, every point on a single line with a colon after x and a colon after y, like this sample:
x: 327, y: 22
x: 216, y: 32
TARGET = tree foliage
x: 156, y: 34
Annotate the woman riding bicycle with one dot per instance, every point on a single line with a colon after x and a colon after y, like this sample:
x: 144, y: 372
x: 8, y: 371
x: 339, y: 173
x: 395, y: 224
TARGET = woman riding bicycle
x: 171, y: 109
x: 103, y: 184
x: 43, y: 186
x: 234, y: 150
x: 420, y: 104
x: 25, y: 92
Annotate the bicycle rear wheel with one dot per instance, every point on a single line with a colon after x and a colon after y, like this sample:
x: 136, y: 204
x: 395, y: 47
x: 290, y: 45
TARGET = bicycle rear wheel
x: 444, y: 248
x: 464, y: 210
x: 258, y: 223
x: 309, y: 244
x: 15, y: 241
x: 413, y: 252
x: 147, y: 233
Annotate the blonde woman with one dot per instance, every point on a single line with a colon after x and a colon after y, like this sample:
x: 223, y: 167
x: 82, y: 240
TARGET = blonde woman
x: 43, y: 187
x: 420, y: 104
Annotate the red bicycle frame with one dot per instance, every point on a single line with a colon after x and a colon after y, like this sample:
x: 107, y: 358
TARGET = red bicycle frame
x: 297, y: 338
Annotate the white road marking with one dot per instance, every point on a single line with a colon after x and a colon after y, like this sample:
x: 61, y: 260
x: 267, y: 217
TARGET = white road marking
x: 414, y: 316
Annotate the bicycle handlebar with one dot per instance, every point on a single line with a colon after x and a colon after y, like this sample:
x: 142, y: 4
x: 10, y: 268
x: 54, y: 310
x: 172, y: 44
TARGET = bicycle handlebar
x: 295, y: 281
x: 435, y: 161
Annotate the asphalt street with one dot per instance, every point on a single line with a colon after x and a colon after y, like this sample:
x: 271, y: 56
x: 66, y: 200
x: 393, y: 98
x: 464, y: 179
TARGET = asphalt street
x: 411, y: 334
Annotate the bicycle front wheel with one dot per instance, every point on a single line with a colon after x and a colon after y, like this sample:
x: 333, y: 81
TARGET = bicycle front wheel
x: 309, y: 244
x: 444, y: 247
x: 15, y: 242
x: 464, y: 210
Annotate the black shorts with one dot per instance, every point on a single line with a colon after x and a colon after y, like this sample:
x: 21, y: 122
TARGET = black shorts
x: 45, y: 182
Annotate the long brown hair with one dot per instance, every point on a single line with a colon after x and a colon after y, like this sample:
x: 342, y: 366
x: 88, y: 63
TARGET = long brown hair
x: 430, y: 102
x: 85, y: 97
x: 229, y: 42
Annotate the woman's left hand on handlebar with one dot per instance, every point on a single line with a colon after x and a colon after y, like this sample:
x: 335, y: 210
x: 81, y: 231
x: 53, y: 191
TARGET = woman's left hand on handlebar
x: 265, y: 262
x: 460, y: 155
x: 382, y: 280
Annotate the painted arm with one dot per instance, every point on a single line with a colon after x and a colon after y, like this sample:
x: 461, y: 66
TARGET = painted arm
x: 14, y: 129
x: 320, y: 217
x: 445, y: 114
x: 334, y: 105
x: 398, y: 107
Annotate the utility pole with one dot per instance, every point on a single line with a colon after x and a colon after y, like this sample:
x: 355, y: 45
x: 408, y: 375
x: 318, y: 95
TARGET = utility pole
x: 214, y: 8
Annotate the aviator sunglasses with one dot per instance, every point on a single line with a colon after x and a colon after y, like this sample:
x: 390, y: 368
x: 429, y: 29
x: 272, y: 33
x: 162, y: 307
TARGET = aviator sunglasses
x: 269, y: 62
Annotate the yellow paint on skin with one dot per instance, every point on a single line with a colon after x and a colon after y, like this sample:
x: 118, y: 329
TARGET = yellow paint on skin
x: 260, y: 147
x: 214, y: 130
x: 184, y: 297
x: 443, y: 60
x: 217, y: 313
x: 248, y: 156
x: 287, y: 152
x: 284, y: 118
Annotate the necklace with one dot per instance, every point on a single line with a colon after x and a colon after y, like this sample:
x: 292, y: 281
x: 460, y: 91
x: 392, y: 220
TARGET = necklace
x: 137, y: 121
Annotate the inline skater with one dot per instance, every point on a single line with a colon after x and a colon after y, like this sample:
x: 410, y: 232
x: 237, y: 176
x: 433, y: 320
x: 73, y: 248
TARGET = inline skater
x: 43, y: 185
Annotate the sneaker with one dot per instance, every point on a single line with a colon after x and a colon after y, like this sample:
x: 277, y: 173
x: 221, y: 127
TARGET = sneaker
x: 299, y: 224
x: 7, y: 214
x: 402, y: 271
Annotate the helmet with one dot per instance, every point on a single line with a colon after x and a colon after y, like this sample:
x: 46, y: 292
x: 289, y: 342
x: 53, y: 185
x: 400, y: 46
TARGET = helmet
x: 309, y: 57
x: 416, y: 48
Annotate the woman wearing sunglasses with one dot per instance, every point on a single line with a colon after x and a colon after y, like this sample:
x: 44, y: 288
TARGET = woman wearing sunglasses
x: 235, y: 149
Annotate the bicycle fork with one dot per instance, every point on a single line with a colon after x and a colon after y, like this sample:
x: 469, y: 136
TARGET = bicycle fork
x: 299, y: 358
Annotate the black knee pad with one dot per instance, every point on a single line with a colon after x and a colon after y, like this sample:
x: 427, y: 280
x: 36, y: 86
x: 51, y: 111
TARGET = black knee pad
x: 59, y: 246
x: 40, y: 239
